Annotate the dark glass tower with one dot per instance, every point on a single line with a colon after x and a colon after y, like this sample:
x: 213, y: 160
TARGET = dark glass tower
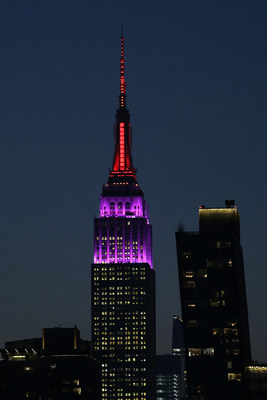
x: 214, y: 305
x: 123, y: 287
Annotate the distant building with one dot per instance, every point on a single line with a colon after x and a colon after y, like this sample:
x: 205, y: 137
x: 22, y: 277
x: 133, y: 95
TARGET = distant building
x: 170, y: 369
x: 177, y: 335
x: 57, y: 366
x: 256, y: 381
x: 178, y: 349
x: 214, y: 305
x: 168, y: 377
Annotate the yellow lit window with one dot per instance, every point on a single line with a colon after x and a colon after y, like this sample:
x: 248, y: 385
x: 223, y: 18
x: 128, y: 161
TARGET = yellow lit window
x: 234, y: 377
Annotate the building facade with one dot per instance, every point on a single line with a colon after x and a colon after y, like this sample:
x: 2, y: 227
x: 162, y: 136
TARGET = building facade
x: 57, y: 366
x: 214, y: 305
x: 123, y: 286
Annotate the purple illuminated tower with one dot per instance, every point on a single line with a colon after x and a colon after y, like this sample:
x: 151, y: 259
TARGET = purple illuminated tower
x: 123, y: 286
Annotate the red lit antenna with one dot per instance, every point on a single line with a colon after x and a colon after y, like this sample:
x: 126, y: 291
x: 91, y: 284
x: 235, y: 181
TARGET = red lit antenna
x: 123, y: 170
x: 122, y: 77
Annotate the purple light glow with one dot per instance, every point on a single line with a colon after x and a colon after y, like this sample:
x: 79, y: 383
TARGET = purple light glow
x: 129, y: 207
x: 122, y: 231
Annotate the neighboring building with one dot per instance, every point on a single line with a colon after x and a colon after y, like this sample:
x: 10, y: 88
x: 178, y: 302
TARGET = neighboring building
x: 256, y: 381
x: 170, y: 368
x: 169, y: 378
x: 123, y: 287
x: 214, y: 305
x: 179, y: 350
x: 177, y: 335
x: 56, y: 366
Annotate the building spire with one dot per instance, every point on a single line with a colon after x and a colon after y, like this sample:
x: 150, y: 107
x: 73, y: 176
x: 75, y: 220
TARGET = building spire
x: 123, y: 170
x: 122, y: 76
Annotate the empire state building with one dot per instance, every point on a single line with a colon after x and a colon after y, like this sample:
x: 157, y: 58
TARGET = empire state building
x: 123, y: 282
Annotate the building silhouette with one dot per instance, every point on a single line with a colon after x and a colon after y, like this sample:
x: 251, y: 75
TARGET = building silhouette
x: 256, y: 381
x: 168, y: 377
x: 123, y: 288
x: 177, y: 335
x: 214, y: 305
x: 57, y: 366
x: 179, y: 351
x: 170, y: 368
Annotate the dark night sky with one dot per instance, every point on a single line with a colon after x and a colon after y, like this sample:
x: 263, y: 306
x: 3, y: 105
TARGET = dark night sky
x: 196, y: 84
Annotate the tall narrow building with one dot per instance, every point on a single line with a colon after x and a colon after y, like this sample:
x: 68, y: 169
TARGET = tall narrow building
x: 214, y: 305
x: 123, y: 283
x: 178, y: 350
x: 177, y: 335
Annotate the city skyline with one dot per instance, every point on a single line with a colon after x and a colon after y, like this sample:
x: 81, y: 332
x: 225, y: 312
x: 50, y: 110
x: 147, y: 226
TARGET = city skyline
x: 196, y: 88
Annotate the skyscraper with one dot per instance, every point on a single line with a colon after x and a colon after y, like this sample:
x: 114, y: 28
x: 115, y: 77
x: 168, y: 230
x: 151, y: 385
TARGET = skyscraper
x: 214, y: 305
x: 123, y: 286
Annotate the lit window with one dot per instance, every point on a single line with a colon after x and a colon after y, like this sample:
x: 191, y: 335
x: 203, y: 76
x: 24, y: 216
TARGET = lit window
x: 223, y: 244
x: 189, y: 283
x: 198, y: 352
x: 234, y: 377
x: 28, y: 369
x: 189, y: 274
x: 230, y: 332
x: 235, y: 352
x: 217, y: 331
x: 192, y: 323
x: 191, y: 304
x: 202, y: 273
x: 188, y: 254
x: 217, y: 303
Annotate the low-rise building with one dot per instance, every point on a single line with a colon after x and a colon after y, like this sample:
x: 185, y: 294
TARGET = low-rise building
x: 57, y: 366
